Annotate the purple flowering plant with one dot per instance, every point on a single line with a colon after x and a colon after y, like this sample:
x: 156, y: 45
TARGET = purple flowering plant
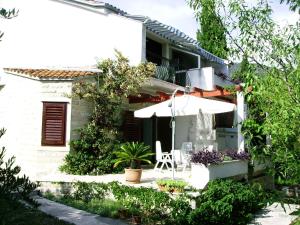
x: 235, y: 155
x: 207, y: 157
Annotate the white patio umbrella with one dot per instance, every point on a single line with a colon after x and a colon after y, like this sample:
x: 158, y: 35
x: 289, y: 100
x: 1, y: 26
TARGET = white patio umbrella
x: 185, y: 105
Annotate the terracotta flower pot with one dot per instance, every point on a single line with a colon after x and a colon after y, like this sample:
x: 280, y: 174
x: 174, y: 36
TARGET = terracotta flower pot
x: 136, y: 220
x: 133, y: 175
x: 163, y: 188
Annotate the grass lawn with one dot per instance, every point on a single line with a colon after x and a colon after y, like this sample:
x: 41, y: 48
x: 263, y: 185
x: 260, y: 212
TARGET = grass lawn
x: 13, y: 212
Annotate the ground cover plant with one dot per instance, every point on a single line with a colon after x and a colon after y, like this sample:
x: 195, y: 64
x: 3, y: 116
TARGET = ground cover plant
x: 222, y: 200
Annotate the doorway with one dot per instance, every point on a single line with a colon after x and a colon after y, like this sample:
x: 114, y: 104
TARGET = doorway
x: 164, y: 133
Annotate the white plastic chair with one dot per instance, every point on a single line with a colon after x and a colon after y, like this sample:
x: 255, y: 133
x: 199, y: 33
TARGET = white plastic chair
x: 186, y: 150
x: 162, y: 157
x: 212, y: 147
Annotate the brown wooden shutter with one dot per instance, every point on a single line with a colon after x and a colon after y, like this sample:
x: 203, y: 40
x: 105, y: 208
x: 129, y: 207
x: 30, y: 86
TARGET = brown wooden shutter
x: 54, y: 124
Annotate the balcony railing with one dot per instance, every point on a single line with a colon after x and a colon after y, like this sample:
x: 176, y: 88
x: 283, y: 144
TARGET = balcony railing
x: 166, y: 69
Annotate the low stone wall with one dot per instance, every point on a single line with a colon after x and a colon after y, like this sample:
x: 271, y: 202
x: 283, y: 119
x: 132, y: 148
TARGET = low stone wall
x: 56, y: 188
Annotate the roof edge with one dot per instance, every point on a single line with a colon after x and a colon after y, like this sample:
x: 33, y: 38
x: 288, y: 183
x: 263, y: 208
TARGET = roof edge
x: 21, y: 72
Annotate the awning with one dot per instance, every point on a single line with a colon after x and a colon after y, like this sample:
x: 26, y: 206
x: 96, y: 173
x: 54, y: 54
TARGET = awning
x: 185, y: 105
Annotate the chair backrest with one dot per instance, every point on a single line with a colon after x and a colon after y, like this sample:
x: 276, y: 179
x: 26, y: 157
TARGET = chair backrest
x: 210, y: 148
x: 158, y: 150
x: 187, y: 147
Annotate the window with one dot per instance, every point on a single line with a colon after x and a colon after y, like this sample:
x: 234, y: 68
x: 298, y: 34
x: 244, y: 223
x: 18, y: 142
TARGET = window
x: 54, y: 124
x: 224, y: 120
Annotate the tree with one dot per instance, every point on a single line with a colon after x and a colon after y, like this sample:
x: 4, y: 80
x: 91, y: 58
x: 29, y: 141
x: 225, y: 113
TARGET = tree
x: 92, y: 153
x: 7, y: 14
x: 211, y: 34
x: 273, y: 72
x: 294, y: 4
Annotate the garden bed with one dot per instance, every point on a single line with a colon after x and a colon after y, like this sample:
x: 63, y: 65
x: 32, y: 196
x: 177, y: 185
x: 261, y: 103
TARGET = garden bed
x: 238, y: 202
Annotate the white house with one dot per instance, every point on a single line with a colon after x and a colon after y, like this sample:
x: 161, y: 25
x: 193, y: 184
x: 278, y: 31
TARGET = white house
x: 53, y: 43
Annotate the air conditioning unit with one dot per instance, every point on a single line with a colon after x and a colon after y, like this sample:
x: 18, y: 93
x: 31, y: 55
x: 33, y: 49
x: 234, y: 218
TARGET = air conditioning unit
x: 202, y: 78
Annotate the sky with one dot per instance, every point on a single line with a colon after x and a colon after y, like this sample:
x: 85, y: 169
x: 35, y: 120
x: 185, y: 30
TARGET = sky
x: 178, y: 14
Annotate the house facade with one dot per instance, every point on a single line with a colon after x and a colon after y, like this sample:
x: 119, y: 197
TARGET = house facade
x: 56, y: 42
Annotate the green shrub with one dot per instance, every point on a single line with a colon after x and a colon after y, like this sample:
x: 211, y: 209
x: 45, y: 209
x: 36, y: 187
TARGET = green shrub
x: 83, y: 163
x: 88, y: 191
x: 152, y: 205
x: 92, y: 153
x: 230, y: 201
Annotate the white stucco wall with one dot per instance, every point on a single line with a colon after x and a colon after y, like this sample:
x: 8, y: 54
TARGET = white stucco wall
x: 202, y: 78
x: 48, y: 33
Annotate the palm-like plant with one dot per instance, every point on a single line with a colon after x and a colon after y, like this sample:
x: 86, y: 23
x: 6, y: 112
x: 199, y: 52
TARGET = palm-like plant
x: 133, y: 153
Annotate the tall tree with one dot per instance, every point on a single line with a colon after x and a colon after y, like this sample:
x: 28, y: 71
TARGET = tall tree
x: 211, y: 34
x: 273, y: 72
x: 7, y: 14
x: 293, y: 4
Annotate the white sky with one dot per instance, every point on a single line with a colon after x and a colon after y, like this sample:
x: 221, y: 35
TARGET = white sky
x: 178, y: 14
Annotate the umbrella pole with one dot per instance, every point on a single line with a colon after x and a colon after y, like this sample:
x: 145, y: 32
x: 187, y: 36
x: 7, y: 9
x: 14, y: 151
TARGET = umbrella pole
x: 172, y: 106
x: 173, y: 147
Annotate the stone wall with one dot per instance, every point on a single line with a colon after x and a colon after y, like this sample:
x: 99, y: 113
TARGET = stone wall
x: 21, y: 108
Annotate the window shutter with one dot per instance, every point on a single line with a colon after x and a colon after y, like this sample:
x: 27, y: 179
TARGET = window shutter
x: 54, y: 124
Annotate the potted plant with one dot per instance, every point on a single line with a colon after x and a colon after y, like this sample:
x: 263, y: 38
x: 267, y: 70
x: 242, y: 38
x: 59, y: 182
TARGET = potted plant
x: 162, y: 185
x: 176, y: 186
x: 133, y: 153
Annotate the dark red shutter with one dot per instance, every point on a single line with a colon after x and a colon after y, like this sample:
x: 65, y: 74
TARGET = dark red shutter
x: 54, y: 123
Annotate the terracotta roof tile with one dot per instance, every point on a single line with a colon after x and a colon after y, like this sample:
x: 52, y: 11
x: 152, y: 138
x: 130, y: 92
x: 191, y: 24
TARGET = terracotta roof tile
x: 50, y: 74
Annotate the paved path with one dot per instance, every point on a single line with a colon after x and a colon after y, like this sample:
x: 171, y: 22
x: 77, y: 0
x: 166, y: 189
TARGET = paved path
x: 73, y: 215
x: 275, y: 215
